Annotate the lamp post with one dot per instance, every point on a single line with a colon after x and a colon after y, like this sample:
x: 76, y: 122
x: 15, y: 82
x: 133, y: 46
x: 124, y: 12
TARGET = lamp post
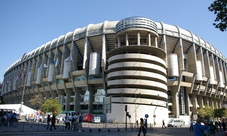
x: 154, y: 116
x: 22, y: 97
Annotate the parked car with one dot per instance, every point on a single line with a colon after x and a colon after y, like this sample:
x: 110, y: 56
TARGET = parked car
x: 176, y: 123
x: 96, y: 120
x: 87, y: 118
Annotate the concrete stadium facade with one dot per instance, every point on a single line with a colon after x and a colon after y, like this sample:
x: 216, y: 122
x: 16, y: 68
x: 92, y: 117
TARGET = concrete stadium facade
x: 153, y: 68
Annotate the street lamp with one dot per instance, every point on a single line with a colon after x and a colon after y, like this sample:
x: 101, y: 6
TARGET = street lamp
x: 22, y: 97
x: 154, y: 116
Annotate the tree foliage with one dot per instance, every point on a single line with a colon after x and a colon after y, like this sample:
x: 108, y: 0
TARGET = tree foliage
x: 219, y: 113
x: 36, y: 101
x: 51, y: 106
x: 206, y: 112
x: 209, y: 112
x: 219, y: 7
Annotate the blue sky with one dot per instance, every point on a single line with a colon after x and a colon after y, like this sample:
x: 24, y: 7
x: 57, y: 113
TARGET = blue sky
x: 28, y: 24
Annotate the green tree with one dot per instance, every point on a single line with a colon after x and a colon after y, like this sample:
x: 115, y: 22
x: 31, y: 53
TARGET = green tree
x: 206, y: 112
x: 220, y: 113
x: 51, y: 105
x: 36, y: 101
x: 219, y: 7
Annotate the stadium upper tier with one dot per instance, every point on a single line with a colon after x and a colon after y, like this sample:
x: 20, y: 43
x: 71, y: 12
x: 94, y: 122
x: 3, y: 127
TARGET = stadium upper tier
x: 95, y: 31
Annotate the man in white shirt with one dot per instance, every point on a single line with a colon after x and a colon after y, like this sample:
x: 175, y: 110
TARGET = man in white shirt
x: 67, y: 122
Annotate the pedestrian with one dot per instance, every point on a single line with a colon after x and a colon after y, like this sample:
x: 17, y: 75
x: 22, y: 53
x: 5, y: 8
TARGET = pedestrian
x: 80, y: 123
x: 163, y: 124
x: 73, y: 123
x: 67, y: 122
x: 198, y: 128
x: 142, y: 128
x: 53, y: 121
x: 48, y: 122
x: 191, y: 125
x: 223, y: 125
x: 145, y: 123
x: 77, y: 121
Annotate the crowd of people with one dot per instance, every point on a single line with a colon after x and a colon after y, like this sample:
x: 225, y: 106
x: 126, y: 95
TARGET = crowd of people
x: 73, y: 122
x: 8, y: 118
x: 210, y: 128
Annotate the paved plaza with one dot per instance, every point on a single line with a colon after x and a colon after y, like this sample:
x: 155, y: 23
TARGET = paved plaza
x: 90, y: 129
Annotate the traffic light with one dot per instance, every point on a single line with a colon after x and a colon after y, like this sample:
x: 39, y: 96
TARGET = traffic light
x: 128, y: 115
x: 126, y: 108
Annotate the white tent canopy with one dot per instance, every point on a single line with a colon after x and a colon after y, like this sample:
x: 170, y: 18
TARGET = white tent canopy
x: 16, y: 108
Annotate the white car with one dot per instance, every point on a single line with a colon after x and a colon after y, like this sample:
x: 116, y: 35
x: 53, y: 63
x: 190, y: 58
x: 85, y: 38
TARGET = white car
x: 97, y: 120
x: 176, y: 123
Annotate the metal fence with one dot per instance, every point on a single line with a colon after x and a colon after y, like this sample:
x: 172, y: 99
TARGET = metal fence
x: 39, y: 127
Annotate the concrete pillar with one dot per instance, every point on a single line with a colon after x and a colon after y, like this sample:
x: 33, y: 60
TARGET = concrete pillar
x: 216, y: 104
x: 138, y: 38
x: 68, y: 98
x: 200, y: 101
x: 206, y: 101
x: 194, y: 107
x: 126, y: 39
x: 91, y: 99
x: 187, y: 104
x: 54, y: 94
x: 175, y: 102
x: 118, y: 42
x: 77, y: 100
x: 156, y: 42
x: 211, y: 103
x: 47, y: 94
x: 219, y: 104
x: 149, y: 39
x: 61, y: 96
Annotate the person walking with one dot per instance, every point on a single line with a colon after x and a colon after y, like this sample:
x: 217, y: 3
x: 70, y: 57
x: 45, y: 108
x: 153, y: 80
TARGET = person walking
x: 163, y: 124
x: 198, y: 128
x: 53, y: 121
x: 48, y: 122
x: 67, y: 122
x: 142, y: 128
x: 223, y: 125
x: 191, y: 125
x: 80, y: 123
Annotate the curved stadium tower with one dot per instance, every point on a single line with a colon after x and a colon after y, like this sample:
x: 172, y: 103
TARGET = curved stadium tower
x: 154, y: 68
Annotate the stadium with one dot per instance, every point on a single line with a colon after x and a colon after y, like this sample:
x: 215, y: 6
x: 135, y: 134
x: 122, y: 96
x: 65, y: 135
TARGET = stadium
x: 151, y: 68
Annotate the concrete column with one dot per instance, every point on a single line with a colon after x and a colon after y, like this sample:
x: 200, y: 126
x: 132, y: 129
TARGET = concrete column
x: 211, y: 103
x: 206, y: 102
x: 68, y: 98
x: 53, y: 94
x: 175, y: 102
x: 194, y: 107
x: 138, y: 38
x: 180, y: 54
x: 219, y: 104
x: 77, y: 100
x: 74, y: 53
x: 118, y: 42
x: 61, y: 96
x: 47, y: 94
x: 149, y: 39
x: 216, y: 104
x: 187, y: 104
x: 200, y: 100
x: 91, y: 99
x: 126, y: 39
x: 156, y: 42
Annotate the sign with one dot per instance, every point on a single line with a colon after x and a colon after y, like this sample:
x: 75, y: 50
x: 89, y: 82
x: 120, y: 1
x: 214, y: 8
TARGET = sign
x: 146, y: 115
